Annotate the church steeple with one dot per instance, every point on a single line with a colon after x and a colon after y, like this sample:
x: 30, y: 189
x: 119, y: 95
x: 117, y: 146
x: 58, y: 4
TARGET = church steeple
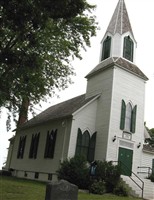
x: 119, y: 40
x: 120, y: 22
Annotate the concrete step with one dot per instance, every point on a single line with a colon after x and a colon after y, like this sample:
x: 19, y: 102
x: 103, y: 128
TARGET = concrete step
x: 148, y: 192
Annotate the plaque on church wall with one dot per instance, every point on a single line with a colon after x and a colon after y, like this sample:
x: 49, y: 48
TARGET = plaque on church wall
x: 127, y: 136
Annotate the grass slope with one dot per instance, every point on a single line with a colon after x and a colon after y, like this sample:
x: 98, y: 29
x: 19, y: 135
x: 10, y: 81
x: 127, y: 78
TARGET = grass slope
x: 19, y: 189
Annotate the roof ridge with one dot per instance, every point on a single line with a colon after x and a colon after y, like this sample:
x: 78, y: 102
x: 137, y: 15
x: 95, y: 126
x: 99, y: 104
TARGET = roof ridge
x: 117, y: 19
x: 122, y: 4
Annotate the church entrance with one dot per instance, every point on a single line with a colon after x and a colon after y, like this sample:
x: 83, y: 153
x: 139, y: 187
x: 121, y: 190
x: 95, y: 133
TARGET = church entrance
x: 125, y: 158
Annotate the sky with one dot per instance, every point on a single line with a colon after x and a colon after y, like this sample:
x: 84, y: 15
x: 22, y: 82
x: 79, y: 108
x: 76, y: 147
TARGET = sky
x: 141, y: 16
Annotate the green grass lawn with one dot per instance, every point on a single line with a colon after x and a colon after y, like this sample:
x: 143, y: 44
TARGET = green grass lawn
x: 19, y: 189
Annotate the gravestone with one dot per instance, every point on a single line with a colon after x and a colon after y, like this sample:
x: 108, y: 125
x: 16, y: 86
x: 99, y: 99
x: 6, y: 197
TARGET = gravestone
x: 61, y: 190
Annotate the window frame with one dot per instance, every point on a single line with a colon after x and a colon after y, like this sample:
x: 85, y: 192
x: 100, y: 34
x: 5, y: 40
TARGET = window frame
x: 128, y: 48
x: 85, y: 145
x: 123, y: 114
x: 92, y: 145
x: 21, y: 147
x: 34, y: 145
x: 128, y: 117
x: 124, y: 118
x: 50, y: 144
x: 106, y: 48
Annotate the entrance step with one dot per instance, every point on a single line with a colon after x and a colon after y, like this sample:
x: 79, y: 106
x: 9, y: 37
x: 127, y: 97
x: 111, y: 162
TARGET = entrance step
x: 148, y: 192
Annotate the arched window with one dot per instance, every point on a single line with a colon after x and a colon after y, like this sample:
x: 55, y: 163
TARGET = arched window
x: 85, y: 145
x: 21, y: 147
x: 128, y: 117
x: 123, y: 113
x: 79, y: 142
x: 92, y: 144
x: 34, y: 145
x: 50, y: 144
x: 128, y: 48
x: 106, y: 48
x: 133, y: 119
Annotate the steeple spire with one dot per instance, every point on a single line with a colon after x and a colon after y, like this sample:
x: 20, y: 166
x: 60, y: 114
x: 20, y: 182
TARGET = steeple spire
x: 120, y: 21
x: 119, y: 40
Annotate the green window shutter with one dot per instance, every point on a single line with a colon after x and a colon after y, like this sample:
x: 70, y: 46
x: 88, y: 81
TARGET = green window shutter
x: 123, y: 114
x: 23, y: 147
x: 19, y: 147
x: 37, y: 137
x: 85, y: 144
x: 133, y: 119
x: 92, y: 144
x: 106, y: 48
x: 79, y: 142
x: 128, y: 49
x: 52, y: 143
x: 46, y: 145
x: 31, y: 147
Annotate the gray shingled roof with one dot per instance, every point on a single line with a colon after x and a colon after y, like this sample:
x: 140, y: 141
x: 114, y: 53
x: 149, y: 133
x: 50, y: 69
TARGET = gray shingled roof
x: 120, y: 62
x: 120, y: 22
x: 58, y: 111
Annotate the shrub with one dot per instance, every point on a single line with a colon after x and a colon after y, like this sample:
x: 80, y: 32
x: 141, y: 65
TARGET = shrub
x: 76, y: 171
x: 108, y: 173
x: 5, y: 173
x: 120, y: 189
x: 152, y: 177
x: 98, y: 187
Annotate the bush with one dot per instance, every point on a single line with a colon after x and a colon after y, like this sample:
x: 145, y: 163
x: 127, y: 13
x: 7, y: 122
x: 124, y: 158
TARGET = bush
x: 76, y: 171
x: 120, y: 189
x: 5, y: 173
x: 151, y: 177
x: 108, y: 173
x: 98, y: 187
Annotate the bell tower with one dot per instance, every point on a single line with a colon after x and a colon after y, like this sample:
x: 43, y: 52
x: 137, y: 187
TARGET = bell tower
x: 119, y: 40
x: 120, y: 85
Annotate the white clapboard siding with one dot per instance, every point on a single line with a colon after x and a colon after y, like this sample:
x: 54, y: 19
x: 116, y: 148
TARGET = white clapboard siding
x: 85, y: 119
x: 130, y: 88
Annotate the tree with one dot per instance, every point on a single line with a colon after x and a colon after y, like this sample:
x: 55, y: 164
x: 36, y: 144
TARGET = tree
x: 151, y: 131
x: 38, y: 41
x: 150, y: 141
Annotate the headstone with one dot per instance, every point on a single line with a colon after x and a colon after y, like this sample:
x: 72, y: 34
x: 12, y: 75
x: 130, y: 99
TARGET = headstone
x: 61, y: 190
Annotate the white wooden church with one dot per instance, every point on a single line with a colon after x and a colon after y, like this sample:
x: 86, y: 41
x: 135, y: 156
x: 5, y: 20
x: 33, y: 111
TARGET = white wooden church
x: 105, y: 123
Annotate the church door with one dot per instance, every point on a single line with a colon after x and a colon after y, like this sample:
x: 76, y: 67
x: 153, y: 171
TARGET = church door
x: 125, y: 160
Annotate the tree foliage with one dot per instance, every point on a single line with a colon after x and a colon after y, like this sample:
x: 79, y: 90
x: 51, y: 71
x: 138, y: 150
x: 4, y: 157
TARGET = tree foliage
x: 151, y: 131
x: 150, y: 141
x: 38, y: 41
x: 76, y: 171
